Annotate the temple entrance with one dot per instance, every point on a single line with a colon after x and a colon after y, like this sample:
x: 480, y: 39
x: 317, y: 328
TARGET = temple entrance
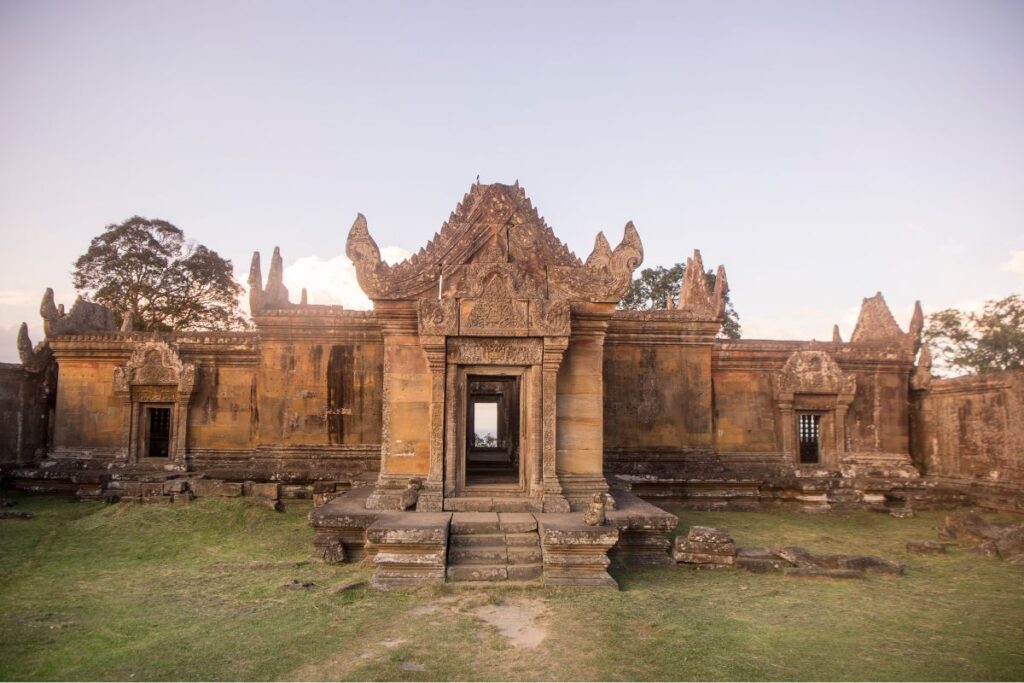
x: 492, y: 431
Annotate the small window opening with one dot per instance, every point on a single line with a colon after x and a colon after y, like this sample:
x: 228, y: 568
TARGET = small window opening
x: 158, y: 432
x: 808, y: 430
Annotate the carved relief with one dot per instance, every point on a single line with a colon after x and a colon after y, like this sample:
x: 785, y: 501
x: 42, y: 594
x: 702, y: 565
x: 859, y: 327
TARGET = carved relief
x: 438, y: 317
x: 496, y: 231
x: 155, y: 363
x: 469, y: 351
x: 814, y: 372
x: 549, y: 318
x: 503, y: 317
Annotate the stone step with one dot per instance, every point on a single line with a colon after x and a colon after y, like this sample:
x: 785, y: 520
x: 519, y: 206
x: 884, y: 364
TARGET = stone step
x: 495, y: 573
x: 477, y: 555
x: 464, y: 540
x: 517, y: 522
x: 524, y: 555
x: 475, y: 523
x: 477, y: 572
x: 529, y: 539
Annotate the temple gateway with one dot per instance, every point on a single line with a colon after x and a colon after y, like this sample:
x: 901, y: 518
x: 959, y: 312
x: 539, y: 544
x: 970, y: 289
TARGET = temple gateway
x: 495, y: 416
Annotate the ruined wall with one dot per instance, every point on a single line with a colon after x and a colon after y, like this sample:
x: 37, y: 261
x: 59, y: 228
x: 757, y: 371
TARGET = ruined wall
x: 657, y: 393
x: 89, y: 416
x: 972, y: 429
x: 22, y: 413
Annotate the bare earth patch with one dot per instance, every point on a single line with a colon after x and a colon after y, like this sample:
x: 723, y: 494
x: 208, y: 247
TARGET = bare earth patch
x: 517, y: 620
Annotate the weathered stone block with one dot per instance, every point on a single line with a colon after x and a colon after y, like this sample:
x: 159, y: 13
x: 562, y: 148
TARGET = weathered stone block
x: 215, y: 488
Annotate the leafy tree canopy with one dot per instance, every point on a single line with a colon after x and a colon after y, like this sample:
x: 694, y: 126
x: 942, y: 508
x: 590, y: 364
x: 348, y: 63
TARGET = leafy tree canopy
x: 147, y: 270
x: 655, y: 286
x: 986, y: 341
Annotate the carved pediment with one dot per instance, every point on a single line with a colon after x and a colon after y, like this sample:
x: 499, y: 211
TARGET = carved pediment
x: 813, y: 372
x: 155, y: 363
x: 496, y: 233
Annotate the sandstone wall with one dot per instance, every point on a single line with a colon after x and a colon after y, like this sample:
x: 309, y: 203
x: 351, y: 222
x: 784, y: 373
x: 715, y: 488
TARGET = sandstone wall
x: 971, y: 429
x: 22, y: 414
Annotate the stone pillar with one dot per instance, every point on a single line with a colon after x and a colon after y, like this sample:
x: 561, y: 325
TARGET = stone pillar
x: 554, y: 499
x: 788, y: 429
x: 431, y: 495
x: 840, y: 426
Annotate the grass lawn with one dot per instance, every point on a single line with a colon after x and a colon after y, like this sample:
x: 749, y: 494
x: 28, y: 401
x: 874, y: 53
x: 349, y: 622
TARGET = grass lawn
x: 89, y: 591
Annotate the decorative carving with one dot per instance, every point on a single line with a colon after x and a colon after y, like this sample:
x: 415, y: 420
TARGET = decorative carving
x: 549, y: 318
x: 607, y: 279
x: 438, y: 317
x: 595, y: 514
x: 85, y: 316
x: 34, y: 359
x: 471, y: 351
x: 814, y: 372
x: 693, y: 291
x: 504, y: 317
x: 496, y: 230
x: 275, y: 294
x: 877, y: 324
x: 836, y: 337
x: 921, y: 377
x: 154, y: 363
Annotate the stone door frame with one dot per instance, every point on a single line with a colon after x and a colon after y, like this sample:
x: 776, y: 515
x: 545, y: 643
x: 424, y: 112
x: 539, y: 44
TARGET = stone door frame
x: 530, y: 476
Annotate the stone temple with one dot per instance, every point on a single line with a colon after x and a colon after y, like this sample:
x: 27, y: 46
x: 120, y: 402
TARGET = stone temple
x: 495, y: 416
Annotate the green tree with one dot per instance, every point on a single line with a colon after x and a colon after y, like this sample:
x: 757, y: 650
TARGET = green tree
x: 146, y: 269
x: 987, y: 341
x: 655, y: 286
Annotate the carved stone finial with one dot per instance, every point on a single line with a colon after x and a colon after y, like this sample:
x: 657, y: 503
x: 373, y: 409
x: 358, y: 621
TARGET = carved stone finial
x: 255, y: 284
x: 360, y: 247
x: 916, y: 328
x: 836, y: 337
x: 47, y: 309
x: 24, y: 343
x: 921, y: 378
x: 276, y: 294
x: 721, y: 289
x: 693, y: 292
x: 126, y: 323
x: 601, y: 256
x: 34, y: 359
x: 875, y: 322
x: 304, y: 299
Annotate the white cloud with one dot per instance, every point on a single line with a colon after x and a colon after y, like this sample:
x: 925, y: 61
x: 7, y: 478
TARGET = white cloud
x: 333, y: 281
x: 1016, y: 263
x: 14, y: 297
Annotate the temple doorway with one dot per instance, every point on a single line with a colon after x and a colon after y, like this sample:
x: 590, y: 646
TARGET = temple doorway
x: 492, y: 431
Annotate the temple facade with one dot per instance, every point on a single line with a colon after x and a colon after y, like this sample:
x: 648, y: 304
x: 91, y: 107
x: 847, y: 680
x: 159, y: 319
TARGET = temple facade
x: 494, y: 374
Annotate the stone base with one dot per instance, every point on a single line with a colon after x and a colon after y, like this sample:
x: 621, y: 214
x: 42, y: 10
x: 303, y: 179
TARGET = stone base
x: 576, y: 554
x: 344, y: 520
x: 411, y: 549
x: 643, y: 531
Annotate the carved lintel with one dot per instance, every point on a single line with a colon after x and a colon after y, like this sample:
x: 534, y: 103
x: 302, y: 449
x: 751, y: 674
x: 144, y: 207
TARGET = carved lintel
x: 484, y: 351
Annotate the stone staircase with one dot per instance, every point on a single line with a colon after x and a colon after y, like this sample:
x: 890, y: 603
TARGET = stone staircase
x: 494, y: 547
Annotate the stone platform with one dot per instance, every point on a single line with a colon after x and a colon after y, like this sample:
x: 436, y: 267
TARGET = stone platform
x: 555, y: 549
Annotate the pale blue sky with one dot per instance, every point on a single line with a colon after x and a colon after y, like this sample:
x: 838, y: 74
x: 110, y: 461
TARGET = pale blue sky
x: 821, y: 150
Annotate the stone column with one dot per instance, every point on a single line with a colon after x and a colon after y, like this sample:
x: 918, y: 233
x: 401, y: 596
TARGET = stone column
x: 431, y: 495
x: 788, y: 429
x: 554, y: 348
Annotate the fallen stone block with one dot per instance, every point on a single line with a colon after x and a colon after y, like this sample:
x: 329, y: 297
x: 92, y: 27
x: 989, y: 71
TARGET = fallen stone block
x: 271, y: 490
x: 708, y: 534
x: 215, y: 488
x: 926, y: 547
x: 703, y: 558
x: 795, y: 555
x: 821, y: 573
x: 762, y: 565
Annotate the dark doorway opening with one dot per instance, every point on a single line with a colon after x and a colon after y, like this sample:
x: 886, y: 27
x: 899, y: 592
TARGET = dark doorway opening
x: 808, y: 429
x: 492, y: 431
x: 158, y: 432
